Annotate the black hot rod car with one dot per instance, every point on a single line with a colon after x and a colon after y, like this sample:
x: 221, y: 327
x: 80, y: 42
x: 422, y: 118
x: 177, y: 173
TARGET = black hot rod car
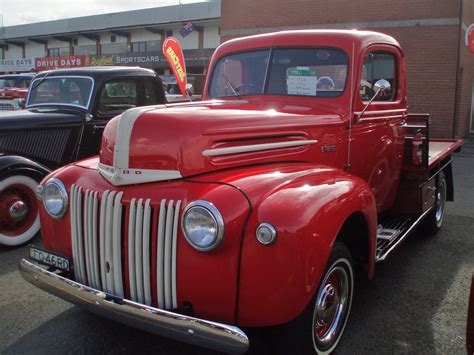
x: 66, y: 112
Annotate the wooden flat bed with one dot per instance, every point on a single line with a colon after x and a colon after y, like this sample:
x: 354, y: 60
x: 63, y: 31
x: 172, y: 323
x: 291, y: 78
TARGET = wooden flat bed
x: 441, y: 148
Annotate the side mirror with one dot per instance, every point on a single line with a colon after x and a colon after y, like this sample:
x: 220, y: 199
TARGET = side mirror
x: 380, y: 87
x: 21, y: 103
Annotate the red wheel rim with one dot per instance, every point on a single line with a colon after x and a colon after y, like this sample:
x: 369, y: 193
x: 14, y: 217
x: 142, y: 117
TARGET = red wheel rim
x: 10, y: 195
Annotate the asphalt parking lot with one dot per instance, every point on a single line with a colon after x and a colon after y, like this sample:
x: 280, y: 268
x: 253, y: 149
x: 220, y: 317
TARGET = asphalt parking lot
x: 417, y: 302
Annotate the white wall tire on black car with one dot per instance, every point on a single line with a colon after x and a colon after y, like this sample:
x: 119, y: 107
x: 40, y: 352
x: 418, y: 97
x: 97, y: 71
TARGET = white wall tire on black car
x: 332, y: 304
x: 19, y: 217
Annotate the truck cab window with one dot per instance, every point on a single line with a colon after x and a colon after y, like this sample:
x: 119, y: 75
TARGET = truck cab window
x: 378, y: 65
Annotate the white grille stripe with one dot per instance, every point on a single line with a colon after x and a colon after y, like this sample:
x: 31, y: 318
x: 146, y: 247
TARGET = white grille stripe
x: 95, y: 256
x: 80, y: 245
x: 146, y: 251
x: 109, y: 278
x: 139, y: 250
x: 74, y: 235
x: 87, y: 236
x: 96, y: 238
x: 167, y: 254
x: 160, y: 245
x: 173, y: 256
x: 131, y: 250
x: 117, y: 245
x: 102, y: 239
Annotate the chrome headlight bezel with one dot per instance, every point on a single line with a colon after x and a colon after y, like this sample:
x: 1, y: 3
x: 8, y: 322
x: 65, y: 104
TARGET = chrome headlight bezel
x: 213, y: 213
x: 61, y: 189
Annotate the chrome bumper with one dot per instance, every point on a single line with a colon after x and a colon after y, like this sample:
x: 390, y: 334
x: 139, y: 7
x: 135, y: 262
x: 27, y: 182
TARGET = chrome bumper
x: 212, y: 335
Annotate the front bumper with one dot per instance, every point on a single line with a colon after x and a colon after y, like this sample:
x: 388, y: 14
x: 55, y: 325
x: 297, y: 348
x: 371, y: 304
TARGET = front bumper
x: 212, y: 335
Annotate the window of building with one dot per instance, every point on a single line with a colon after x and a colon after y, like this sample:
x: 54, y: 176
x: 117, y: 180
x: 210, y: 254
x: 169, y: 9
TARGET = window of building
x: 153, y: 46
x: 113, y: 48
x: 53, y: 52
x: 85, y: 50
x: 378, y: 65
x: 138, y: 47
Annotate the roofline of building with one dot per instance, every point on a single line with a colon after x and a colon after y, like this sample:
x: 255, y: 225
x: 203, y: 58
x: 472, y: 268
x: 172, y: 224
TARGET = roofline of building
x: 156, y: 16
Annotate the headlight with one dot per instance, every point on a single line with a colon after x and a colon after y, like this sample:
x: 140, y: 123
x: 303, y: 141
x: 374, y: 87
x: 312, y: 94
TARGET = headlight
x: 203, y: 225
x: 55, y: 198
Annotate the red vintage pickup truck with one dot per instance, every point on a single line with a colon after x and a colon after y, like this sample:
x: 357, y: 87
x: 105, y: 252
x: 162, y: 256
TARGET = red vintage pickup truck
x: 254, y: 207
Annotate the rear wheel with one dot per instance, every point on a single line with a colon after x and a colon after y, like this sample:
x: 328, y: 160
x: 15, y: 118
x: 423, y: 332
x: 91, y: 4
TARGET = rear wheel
x: 434, y: 220
x: 19, y: 217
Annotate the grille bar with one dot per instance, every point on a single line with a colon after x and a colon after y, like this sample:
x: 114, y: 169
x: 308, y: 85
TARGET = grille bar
x: 98, y: 232
x: 117, y: 246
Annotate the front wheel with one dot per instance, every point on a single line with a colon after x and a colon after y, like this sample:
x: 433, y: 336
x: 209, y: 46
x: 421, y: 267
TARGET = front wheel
x: 19, y: 217
x: 333, y: 301
x: 319, y: 328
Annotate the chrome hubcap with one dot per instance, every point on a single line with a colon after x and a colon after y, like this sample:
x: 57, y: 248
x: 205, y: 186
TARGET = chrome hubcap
x: 18, y: 211
x: 331, y: 306
x: 440, y: 200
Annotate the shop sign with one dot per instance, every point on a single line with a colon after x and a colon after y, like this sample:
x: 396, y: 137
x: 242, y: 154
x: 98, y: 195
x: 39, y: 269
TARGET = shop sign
x: 72, y: 61
x: 470, y: 38
x: 17, y: 64
x: 99, y: 60
x: 149, y: 59
x: 140, y: 59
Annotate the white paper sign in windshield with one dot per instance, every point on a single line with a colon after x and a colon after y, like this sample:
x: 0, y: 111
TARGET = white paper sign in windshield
x: 301, y: 81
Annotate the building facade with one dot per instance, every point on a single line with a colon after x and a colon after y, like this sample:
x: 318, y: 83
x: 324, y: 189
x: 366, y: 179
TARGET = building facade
x: 131, y: 38
x: 435, y: 35
x: 440, y: 65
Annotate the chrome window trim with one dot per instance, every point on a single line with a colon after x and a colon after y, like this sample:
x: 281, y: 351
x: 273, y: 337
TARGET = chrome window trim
x: 46, y: 77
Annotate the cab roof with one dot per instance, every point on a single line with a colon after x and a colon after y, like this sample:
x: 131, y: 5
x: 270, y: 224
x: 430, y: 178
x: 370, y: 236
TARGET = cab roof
x: 344, y: 39
x: 99, y: 72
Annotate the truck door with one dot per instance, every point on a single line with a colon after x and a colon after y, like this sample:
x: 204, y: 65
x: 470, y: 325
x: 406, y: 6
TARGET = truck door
x: 377, y: 138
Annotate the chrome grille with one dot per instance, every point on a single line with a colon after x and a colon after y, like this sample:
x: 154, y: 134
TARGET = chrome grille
x: 49, y: 145
x: 8, y: 107
x: 97, y: 232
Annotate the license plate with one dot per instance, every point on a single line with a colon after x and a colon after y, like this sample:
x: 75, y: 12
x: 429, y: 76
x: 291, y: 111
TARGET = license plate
x: 47, y: 258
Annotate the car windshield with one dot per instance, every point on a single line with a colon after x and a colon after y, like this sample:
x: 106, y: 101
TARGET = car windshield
x: 75, y: 91
x: 314, y: 72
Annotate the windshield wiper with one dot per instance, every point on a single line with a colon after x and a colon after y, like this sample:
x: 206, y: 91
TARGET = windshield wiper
x: 40, y: 80
x: 230, y: 85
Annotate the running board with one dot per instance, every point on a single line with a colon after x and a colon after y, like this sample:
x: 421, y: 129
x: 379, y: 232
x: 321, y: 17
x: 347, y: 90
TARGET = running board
x: 393, y: 231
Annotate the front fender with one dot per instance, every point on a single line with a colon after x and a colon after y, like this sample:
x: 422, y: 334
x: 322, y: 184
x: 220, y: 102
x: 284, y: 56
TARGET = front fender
x: 307, y: 205
x: 16, y: 163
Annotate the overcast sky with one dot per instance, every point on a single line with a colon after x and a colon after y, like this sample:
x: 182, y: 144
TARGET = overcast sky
x: 29, y: 11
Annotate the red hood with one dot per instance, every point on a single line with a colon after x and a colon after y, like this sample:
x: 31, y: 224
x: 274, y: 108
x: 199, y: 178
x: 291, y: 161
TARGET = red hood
x: 161, y: 143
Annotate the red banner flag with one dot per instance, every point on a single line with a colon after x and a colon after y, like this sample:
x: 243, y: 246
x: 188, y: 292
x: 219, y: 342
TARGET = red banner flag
x: 173, y: 52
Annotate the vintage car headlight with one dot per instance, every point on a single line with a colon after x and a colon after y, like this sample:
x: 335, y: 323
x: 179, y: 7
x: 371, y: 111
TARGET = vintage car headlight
x: 203, y: 225
x: 55, y: 198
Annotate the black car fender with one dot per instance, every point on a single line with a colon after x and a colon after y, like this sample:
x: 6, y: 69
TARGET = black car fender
x: 12, y: 164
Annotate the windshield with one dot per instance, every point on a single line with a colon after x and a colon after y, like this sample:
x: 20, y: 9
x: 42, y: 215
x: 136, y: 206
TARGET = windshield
x: 75, y: 91
x: 314, y: 72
